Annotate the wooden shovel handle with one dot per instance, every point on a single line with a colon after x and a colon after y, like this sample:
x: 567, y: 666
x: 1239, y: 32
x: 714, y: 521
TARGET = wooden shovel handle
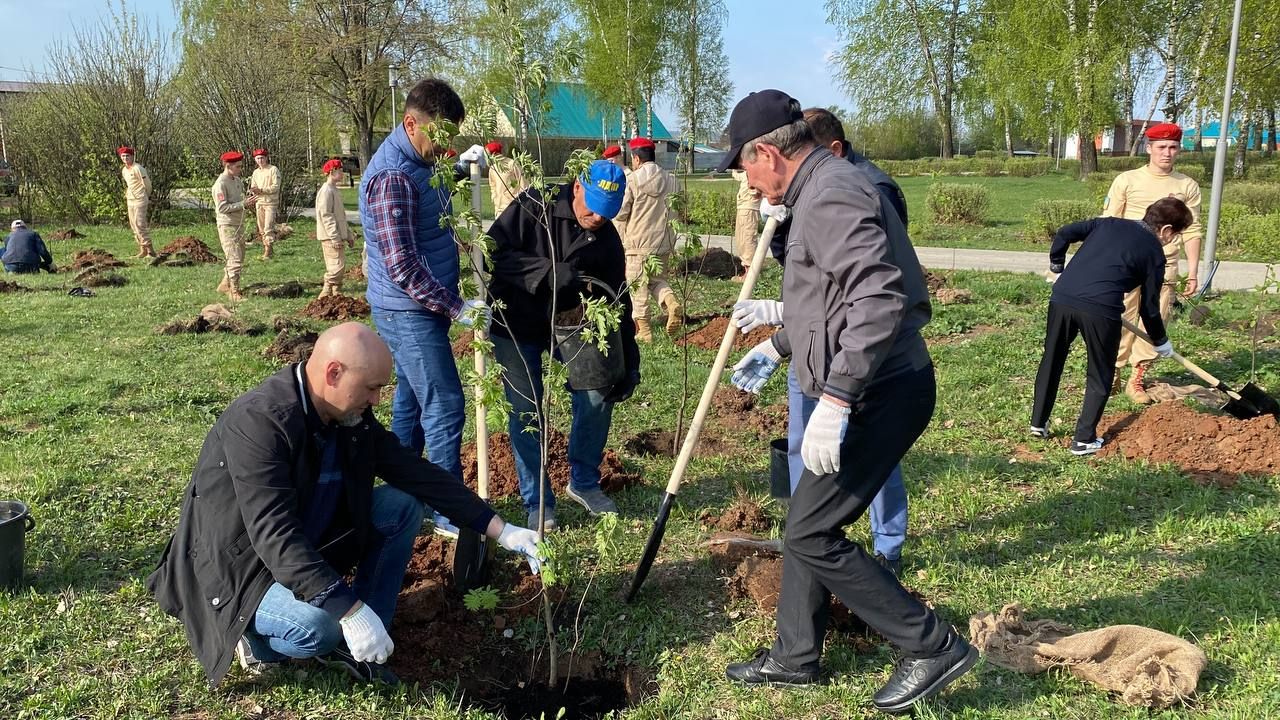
x: 482, y: 418
x: 1194, y: 368
x: 722, y: 358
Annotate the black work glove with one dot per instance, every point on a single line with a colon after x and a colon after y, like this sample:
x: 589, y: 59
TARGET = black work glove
x: 623, y: 390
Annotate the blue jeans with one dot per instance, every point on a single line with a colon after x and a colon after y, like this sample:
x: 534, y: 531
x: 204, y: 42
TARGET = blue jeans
x: 522, y: 382
x: 428, y: 410
x: 285, y: 627
x: 888, y: 511
x: 21, y: 268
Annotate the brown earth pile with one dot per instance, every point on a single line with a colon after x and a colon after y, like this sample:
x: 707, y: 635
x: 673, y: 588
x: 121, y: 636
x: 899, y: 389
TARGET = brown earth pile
x: 744, y: 515
x: 291, y: 346
x: 291, y: 289
x: 193, y: 247
x: 9, y: 287
x: 66, y: 234
x: 504, y: 480
x: 462, y: 346
x: 713, y: 263
x: 93, y: 257
x: 741, y: 411
x: 953, y: 296
x: 1211, y: 448
x: 661, y: 443
x: 355, y: 273
x: 708, y: 336
x: 212, y: 318
x: 935, y: 282
x: 336, y: 308
x: 94, y: 277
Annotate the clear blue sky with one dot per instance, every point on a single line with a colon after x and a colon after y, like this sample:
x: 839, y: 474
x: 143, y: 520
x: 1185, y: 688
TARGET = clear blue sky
x: 766, y: 48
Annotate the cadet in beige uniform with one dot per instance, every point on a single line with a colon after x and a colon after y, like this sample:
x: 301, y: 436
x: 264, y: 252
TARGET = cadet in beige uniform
x: 1130, y: 195
x: 137, y: 195
x: 646, y: 233
x: 265, y: 184
x: 747, y: 221
x: 332, y: 229
x: 229, y: 204
x: 505, y: 179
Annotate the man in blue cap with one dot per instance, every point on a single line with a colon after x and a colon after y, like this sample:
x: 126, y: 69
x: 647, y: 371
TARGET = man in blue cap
x: 550, y: 250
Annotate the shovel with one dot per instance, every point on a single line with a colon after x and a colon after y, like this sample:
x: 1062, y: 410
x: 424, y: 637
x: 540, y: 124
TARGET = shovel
x: 472, y: 555
x: 699, y: 416
x: 1251, y: 402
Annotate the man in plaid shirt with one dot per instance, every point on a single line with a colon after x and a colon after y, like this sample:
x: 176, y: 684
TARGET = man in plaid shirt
x: 413, y: 277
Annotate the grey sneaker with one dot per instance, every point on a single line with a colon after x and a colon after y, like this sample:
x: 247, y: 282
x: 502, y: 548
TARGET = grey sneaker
x: 594, y: 500
x: 549, y: 520
x: 250, y: 663
x: 1089, y: 448
x: 1040, y: 432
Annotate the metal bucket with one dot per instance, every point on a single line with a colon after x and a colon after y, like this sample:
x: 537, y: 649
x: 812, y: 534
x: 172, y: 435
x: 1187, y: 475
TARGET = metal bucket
x: 15, y: 523
x: 588, y: 368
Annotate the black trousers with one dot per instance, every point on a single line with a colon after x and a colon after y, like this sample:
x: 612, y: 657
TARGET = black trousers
x: 1101, y: 341
x: 819, y: 561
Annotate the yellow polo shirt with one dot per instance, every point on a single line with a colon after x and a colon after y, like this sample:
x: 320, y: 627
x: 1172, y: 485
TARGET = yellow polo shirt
x: 1132, y: 192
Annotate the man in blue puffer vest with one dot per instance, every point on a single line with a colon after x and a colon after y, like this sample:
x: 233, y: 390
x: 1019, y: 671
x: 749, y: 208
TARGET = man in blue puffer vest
x: 413, y: 277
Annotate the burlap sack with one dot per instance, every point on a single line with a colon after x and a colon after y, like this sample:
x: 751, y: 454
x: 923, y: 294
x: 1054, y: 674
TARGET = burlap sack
x: 1146, y: 667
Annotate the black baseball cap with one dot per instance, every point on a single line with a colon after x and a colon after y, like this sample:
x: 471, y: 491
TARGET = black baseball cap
x: 757, y: 114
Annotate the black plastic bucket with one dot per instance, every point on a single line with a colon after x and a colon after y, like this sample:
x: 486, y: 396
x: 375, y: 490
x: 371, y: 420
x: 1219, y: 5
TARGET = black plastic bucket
x: 779, y: 470
x: 15, y: 523
x: 588, y: 367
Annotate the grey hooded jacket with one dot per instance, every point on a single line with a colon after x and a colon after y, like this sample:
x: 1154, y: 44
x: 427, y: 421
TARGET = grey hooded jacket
x: 855, y: 295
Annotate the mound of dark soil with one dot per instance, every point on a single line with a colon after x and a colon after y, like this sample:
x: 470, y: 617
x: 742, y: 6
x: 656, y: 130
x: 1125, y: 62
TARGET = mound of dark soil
x: 291, y: 289
x: 10, y: 287
x: 935, y: 282
x: 661, y: 443
x: 96, y: 278
x: 744, y: 515
x: 336, y: 308
x: 355, y: 273
x: 742, y: 411
x: 708, y: 336
x: 1211, y: 448
x: 66, y: 234
x: 504, y: 481
x: 291, y: 346
x: 212, y: 318
x: 92, y: 258
x: 713, y: 263
x: 191, y: 246
x: 462, y: 346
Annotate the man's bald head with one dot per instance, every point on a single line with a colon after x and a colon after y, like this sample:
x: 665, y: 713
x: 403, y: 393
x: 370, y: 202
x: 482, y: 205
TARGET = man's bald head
x: 346, y: 372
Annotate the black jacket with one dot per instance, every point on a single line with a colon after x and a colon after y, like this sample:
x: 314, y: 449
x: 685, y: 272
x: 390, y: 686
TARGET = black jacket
x: 24, y: 247
x: 526, y: 258
x: 241, y: 523
x: 1115, y: 257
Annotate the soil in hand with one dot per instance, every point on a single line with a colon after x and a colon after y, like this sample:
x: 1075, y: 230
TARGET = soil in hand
x: 291, y: 289
x: 212, y: 318
x: 504, y: 481
x: 713, y: 263
x: 708, y: 336
x: 91, y: 258
x: 657, y: 442
x: 191, y: 246
x: 336, y: 308
x: 66, y: 234
x: 11, y: 287
x: 1210, y: 448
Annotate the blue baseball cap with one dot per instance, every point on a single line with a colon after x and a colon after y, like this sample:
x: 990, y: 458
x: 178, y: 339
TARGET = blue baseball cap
x: 603, y: 185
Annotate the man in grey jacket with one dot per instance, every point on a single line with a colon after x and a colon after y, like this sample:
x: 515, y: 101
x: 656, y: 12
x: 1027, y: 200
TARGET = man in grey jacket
x: 855, y: 303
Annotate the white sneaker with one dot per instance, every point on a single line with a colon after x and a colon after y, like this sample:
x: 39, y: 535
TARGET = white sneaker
x: 1040, y: 432
x: 1089, y: 448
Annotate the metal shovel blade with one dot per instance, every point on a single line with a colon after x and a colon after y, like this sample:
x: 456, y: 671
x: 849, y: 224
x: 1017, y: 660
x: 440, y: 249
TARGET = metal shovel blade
x: 651, y: 548
x: 1263, y: 403
x: 471, y: 558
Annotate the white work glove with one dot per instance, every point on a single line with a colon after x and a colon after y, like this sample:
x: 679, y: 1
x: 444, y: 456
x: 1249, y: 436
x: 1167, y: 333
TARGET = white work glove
x: 751, y: 314
x: 523, y: 541
x: 769, y: 210
x: 1165, y: 350
x: 823, y: 434
x: 366, y: 636
x: 473, y: 154
x: 754, y: 369
x: 476, y: 315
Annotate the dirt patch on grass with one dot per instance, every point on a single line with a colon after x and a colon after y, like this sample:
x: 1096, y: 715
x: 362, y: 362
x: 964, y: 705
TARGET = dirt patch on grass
x: 355, y: 273
x: 212, y: 318
x: 708, y: 336
x: 66, y: 234
x: 742, y: 411
x: 504, y: 480
x: 335, y: 308
x: 744, y: 515
x: 1266, y: 325
x: 657, y: 442
x: 713, y: 263
x: 934, y: 281
x: 1210, y: 448
x: 291, y: 289
x: 92, y: 258
x: 11, y: 287
x: 976, y: 331
x: 291, y: 346
x: 95, y: 277
x: 192, y: 247
x: 954, y: 296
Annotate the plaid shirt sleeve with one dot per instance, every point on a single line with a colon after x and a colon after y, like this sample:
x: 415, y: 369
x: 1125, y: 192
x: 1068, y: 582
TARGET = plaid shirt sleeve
x: 392, y: 204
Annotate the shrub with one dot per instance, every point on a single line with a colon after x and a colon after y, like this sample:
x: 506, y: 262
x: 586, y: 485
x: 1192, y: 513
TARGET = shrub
x: 987, y: 154
x: 1231, y: 230
x: 711, y: 211
x: 1195, y: 172
x: 1120, y: 163
x: 1047, y: 216
x: 1260, y: 237
x: 1099, y: 183
x: 1262, y: 173
x: 953, y: 203
x: 897, y: 168
x: 1260, y: 198
x: 989, y: 167
x: 1028, y: 167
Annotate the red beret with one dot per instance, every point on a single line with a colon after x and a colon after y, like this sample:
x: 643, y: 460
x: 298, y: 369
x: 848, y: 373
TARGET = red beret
x: 640, y: 142
x: 260, y: 152
x: 231, y: 156
x: 1164, y: 131
x: 493, y: 148
x: 612, y: 151
x: 331, y: 165
x: 451, y: 153
x: 124, y: 150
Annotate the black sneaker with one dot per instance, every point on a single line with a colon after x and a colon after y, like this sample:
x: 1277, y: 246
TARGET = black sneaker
x: 1089, y: 448
x: 365, y: 672
x: 918, y: 678
x: 764, y: 670
x: 894, y: 566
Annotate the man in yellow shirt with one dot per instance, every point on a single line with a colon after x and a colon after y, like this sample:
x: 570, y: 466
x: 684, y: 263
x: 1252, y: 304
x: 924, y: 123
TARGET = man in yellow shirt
x: 746, y: 222
x: 505, y: 179
x: 265, y: 184
x: 1130, y: 195
x: 137, y: 195
x: 229, y: 204
x: 332, y: 229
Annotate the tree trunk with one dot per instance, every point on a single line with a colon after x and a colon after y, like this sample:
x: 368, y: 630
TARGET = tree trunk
x: 1242, y: 140
x: 1008, y: 134
x: 364, y: 138
x: 1199, y: 146
x: 1137, y: 138
x: 1129, y: 88
x: 1271, y: 128
x: 1171, y: 66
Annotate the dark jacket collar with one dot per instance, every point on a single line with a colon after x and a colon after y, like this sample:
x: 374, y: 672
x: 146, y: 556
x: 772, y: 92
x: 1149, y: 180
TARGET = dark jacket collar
x: 563, y: 207
x: 297, y: 375
x: 798, y: 181
x: 400, y: 141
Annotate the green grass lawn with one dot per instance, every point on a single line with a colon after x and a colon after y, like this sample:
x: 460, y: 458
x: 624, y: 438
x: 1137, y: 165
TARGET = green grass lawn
x: 101, y: 419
